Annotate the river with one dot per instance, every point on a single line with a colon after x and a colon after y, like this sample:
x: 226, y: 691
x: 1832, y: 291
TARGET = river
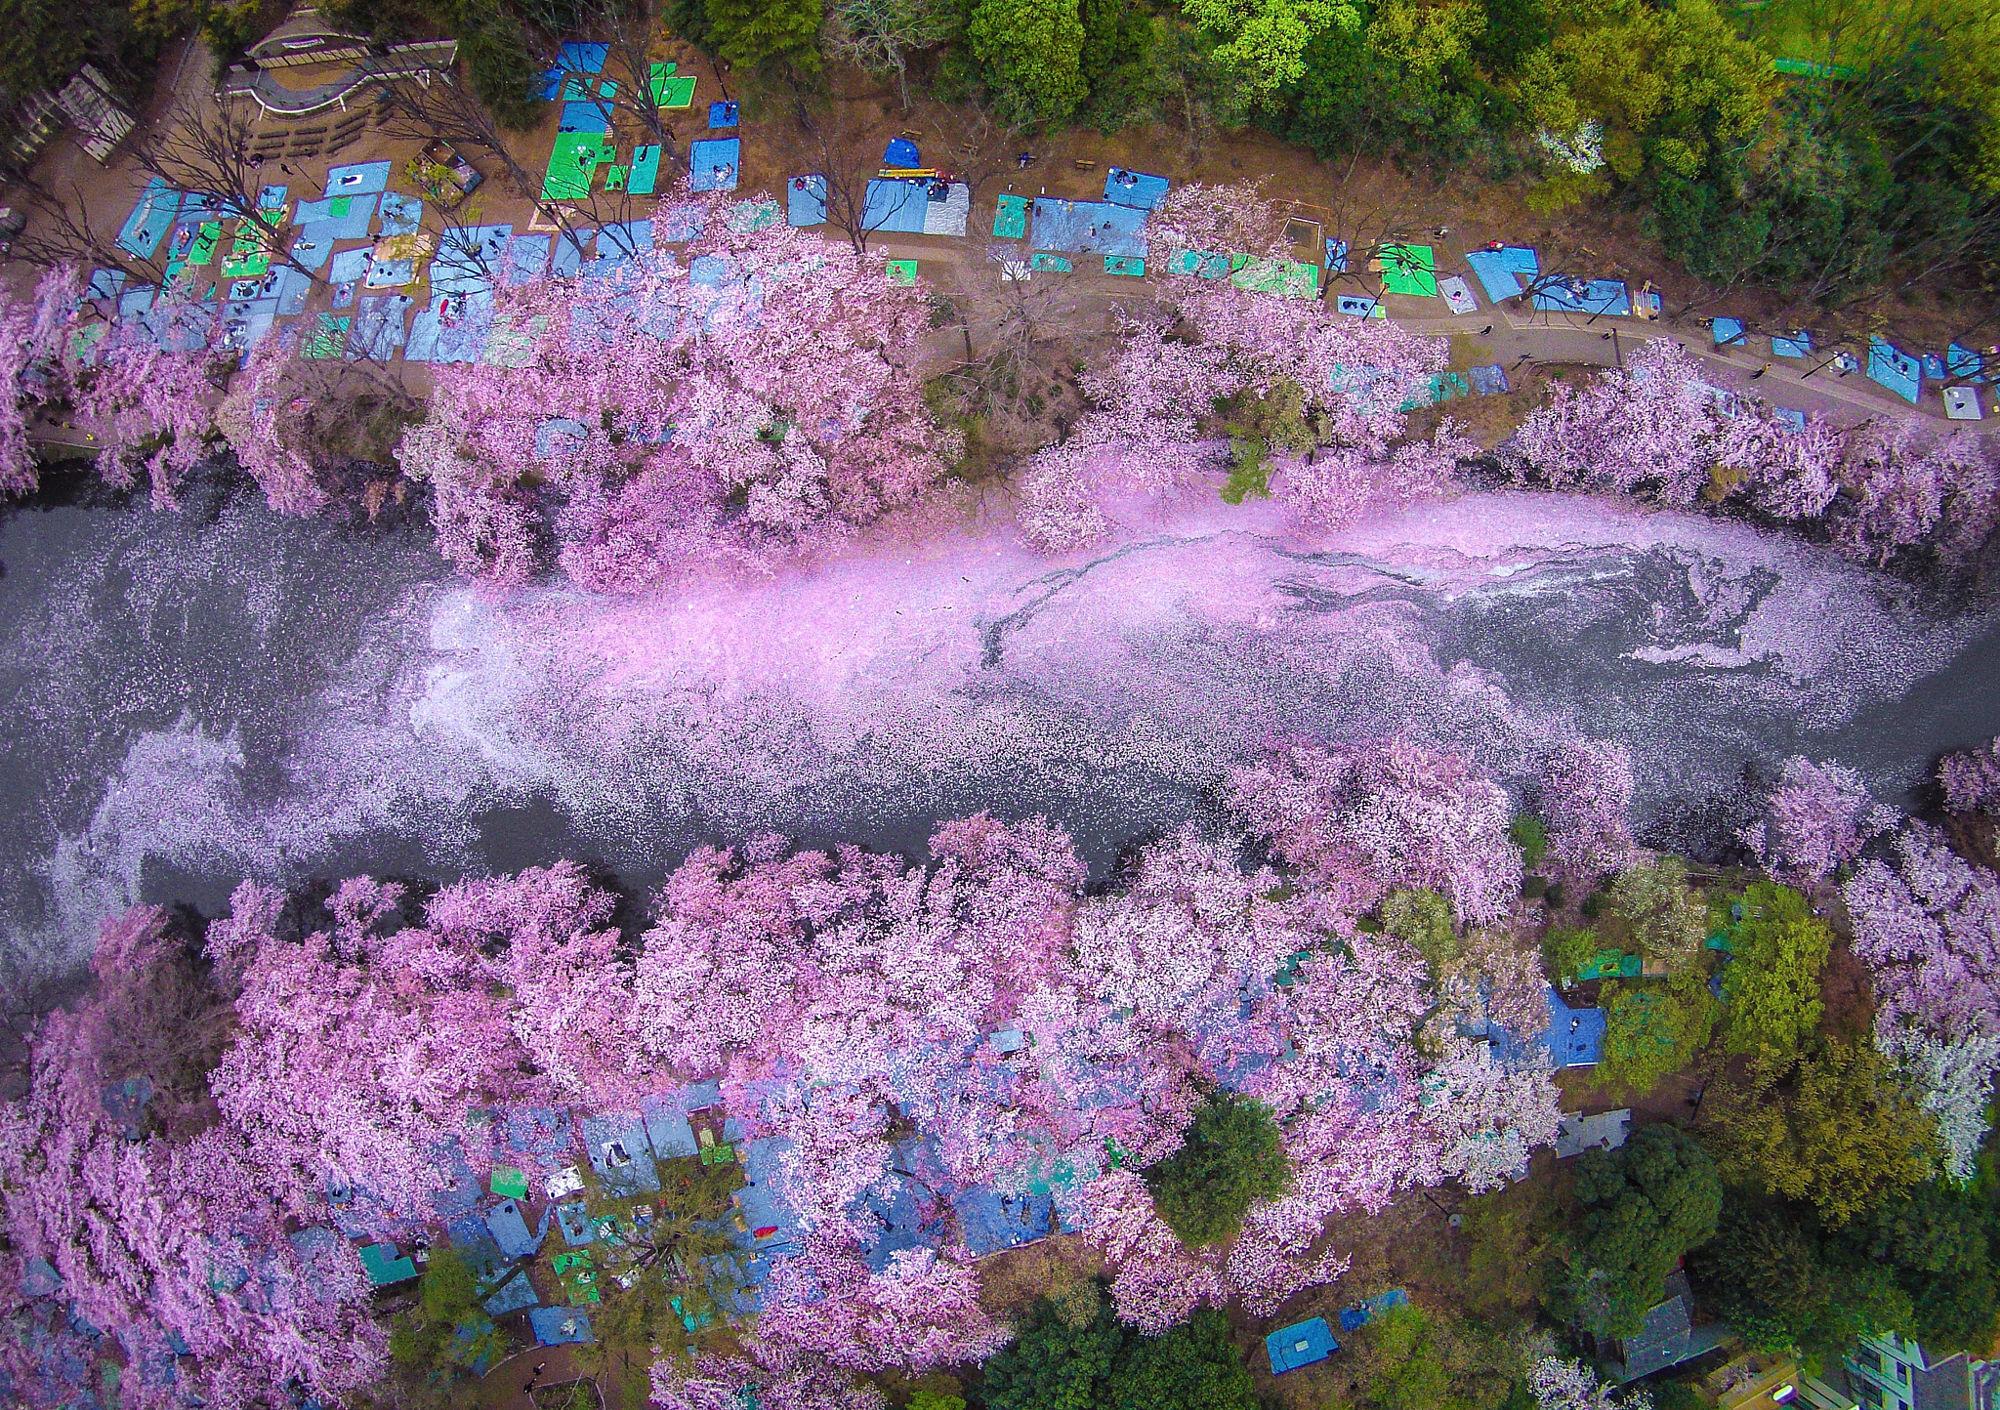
x: 201, y: 696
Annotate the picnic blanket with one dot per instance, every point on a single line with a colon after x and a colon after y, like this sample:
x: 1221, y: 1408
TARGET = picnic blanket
x: 1458, y: 294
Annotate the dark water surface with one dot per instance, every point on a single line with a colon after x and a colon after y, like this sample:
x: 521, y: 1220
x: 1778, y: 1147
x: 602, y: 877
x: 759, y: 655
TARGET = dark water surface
x: 195, y: 697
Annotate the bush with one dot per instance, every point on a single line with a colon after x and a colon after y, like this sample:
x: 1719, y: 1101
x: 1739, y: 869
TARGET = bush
x: 1232, y: 1158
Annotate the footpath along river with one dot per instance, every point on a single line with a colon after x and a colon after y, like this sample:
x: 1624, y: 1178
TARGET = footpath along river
x: 197, y: 697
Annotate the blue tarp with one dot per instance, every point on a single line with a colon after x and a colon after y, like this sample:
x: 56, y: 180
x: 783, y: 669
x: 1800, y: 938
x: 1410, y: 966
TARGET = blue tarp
x: 1729, y: 332
x: 993, y: 1222
x: 476, y: 1245
x: 574, y: 1220
x: 1356, y: 306
x: 357, y: 179
x: 896, y: 205
x: 510, y: 1230
x: 1134, y: 188
x: 1088, y: 227
x: 723, y: 114
x: 1360, y: 1314
x: 584, y: 117
x: 1963, y: 362
x: 511, y: 1295
x: 1336, y: 256
x: 468, y: 259
x: 1500, y: 272
x: 1488, y: 379
x: 378, y: 330
x: 349, y: 266
x: 1800, y: 344
x: 713, y: 163
x: 559, y: 1326
x: 1595, y: 297
x: 1300, y: 1344
x: 336, y: 218
x: 572, y: 58
x: 805, y: 200
x: 452, y: 329
x: 401, y: 215
x: 152, y: 216
x: 759, y: 1200
x: 901, y: 151
x: 616, y: 1145
x: 1897, y: 370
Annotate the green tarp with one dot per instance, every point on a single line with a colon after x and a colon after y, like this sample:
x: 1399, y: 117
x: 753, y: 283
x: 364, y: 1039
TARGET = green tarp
x: 676, y: 92
x: 645, y: 171
x: 656, y: 80
x: 902, y: 271
x: 1441, y: 386
x: 1125, y: 264
x: 1052, y: 264
x: 1010, y: 222
x: 510, y: 1182
x: 573, y: 164
x: 1287, y: 277
x: 1409, y: 269
x: 1611, y: 964
x: 328, y: 341
x: 205, y: 241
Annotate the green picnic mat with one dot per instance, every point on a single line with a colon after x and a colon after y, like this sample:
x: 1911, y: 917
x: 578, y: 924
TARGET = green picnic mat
x: 1125, y: 264
x: 656, y: 79
x: 339, y: 206
x: 510, y: 1181
x: 248, y: 259
x: 1409, y: 269
x: 645, y: 170
x: 902, y: 271
x: 615, y: 176
x: 677, y: 92
x: 205, y: 241
x: 1054, y: 264
x: 575, y: 88
x: 1277, y: 276
x: 747, y: 216
x: 329, y: 339
x: 573, y: 164
x: 1203, y: 264
x: 1010, y: 222
x: 1440, y: 386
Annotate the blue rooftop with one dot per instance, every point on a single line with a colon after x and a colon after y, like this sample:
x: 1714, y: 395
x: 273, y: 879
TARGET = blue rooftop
x: 510, y: 1230
x: 1300, y: 1344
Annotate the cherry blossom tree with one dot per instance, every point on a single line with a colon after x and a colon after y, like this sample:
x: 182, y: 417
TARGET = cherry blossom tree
x: 1971, y: 779
x: 1558, y: 1384
x: 1928, y: 923
x: 34, y: 334
x: 1484, y: 1119
x: 173, y: 1253
x: 1955, y: 1078
x: 744, y: 396
x: 1816, y: 818
x: 1905, y: 490
x: 1358, y: 819
x: 921, y: 1310
x: 1156, y: 1283
x: 775, y: 1375
x: 149, y: 409
x: 1586, y: 805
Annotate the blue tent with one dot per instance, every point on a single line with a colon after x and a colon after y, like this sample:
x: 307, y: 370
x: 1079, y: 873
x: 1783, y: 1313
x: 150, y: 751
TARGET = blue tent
x: 1300, y: 1344
x: 559, y: 1326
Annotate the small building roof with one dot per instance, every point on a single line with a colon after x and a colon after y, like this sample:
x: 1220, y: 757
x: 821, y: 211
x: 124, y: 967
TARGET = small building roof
x: 1606, y: 1130
x: 1300, y: 1344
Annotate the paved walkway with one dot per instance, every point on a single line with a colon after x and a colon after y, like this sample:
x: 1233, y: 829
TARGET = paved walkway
x: 1523, y: 335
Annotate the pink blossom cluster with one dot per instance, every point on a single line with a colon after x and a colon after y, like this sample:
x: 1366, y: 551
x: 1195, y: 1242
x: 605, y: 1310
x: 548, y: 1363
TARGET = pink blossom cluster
x: 1928, y: 923
x: 175, y: 1249
x: 853, y: 1007
x: 1971, y: 779
x: 142, y: 409
x: 743, y: 395
x: 1360, y: 819
x: 1885, y: 490
x: 1585, y: 801
x: 1816, y: 819
x: 1154, y: 423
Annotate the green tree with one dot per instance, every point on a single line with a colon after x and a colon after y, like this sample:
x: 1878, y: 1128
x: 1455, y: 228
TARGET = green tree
x: 1771, y: 986
x: 1032, y: 55
x: 1773, y: 1275
x: 1566, y: 949
x: 1263, y: 43
x: 1408, y: 1366
x: 1642, y: 1207
x: 752, y: 33
x: 1507, y: 1233
x: 1931, y: 1242
x: 1061, y: 1357
x: 1839, y: 1130
x: 936, y: 1400
x: 430, y: 1361
x: 1652, y: 1028
x: 1233, y: 1156
x: 1124, y: 62
x: 1194, y: 1366
x: 1424, y: 919
x: 1651, y: 909
x: 504, y: 75
x: 1531, y: 835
